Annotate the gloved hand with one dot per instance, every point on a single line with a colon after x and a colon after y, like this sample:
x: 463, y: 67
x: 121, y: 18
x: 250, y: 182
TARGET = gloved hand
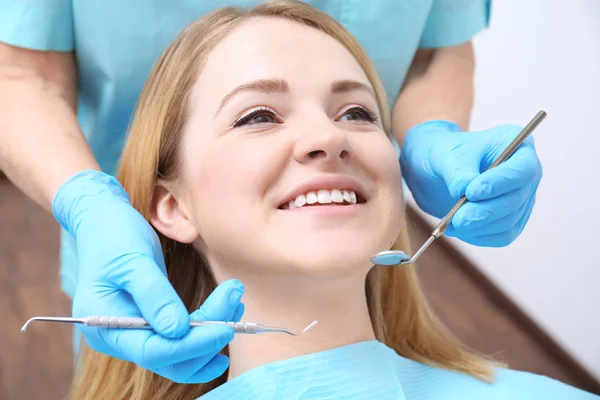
x: 440, y: 164
x: 122, y: 273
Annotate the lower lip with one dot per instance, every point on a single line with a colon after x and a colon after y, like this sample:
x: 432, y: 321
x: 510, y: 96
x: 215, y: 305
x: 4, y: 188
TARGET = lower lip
x: 329, y: 209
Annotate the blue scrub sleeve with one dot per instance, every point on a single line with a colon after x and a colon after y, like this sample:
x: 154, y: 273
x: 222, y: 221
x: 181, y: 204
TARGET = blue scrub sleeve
x: 37, y: 24
x: 452, y: 22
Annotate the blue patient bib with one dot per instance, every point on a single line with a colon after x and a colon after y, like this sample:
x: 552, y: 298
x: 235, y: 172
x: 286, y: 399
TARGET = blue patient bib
x: 372, y: 371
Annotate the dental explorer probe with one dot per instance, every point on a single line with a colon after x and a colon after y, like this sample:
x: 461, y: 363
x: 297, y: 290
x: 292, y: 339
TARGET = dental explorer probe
x: 398, y: 257
x: 140, y: 323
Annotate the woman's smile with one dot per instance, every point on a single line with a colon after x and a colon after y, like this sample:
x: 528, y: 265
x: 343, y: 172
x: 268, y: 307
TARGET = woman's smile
x: 330, y: 192
x: 322, y: 197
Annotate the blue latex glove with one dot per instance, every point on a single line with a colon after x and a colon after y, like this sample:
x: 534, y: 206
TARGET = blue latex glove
x: 440, y: 164
x: 122, y: 273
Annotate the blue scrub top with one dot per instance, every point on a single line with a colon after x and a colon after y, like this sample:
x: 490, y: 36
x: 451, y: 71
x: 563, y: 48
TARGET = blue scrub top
x: 370, y: 370
x: 117, y: 42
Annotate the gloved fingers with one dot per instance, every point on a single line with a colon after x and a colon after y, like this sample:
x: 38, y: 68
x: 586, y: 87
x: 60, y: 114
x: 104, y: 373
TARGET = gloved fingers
x: 239, y: 313
x: 520, y: 170
x: 497, y: 140
x: 154, y: 296
x: 215, y: 368
x: 474, y: 215
x: 103, y: 298
x: 458, y: 167
x: 451, y: 231
x: 496, y: 240
x: 222, y: 303
x: 151, y: 350
x: 118, y: 343
x: 504, y: 238
x: 197, y: 370
x: 504, y: 224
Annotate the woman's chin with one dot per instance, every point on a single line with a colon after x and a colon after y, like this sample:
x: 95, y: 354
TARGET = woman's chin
x: 335, y: 259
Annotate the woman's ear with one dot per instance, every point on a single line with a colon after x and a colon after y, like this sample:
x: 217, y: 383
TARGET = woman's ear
x: 167, y: 216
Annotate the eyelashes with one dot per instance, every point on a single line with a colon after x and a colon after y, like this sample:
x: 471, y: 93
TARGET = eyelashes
x: 266, y: 115
x: 256, y: 116
x: 363, y: 112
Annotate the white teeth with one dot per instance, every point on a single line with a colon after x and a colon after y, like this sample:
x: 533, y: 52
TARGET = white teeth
x: 311, y: 198
x: 300, y: 200
x: 336, y: 196
x: 324, y: 196
x: 347, y: 197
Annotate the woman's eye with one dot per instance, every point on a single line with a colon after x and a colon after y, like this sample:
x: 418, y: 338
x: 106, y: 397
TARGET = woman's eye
x: 359, y: 114
x: 261, y: 116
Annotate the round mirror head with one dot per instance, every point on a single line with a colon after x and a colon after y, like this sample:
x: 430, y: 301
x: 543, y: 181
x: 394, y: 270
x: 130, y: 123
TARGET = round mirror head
x: 390, y: 257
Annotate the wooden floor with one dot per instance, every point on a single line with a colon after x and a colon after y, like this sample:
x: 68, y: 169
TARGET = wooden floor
x: 38, y: 365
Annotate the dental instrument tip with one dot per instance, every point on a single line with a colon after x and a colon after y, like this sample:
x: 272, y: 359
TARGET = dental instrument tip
x: 24, y: 327
x: 262, y: 328
x: 52, y: 319
x: 309, y: 327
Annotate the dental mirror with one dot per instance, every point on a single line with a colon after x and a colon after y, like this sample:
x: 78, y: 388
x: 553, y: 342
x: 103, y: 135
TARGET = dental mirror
x: 390, y: 257
x: 398, y: 257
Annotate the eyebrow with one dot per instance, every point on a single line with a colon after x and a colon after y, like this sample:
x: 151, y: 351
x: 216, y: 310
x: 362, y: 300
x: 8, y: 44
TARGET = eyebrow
x: 274, y: 85
x: 261, y: 85
x: 345, y: 86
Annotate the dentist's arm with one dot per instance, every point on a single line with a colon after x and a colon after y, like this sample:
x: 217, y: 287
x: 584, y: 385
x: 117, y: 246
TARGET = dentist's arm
x: 441, y: 161
x: 41, y: 141
x: 439, y: 85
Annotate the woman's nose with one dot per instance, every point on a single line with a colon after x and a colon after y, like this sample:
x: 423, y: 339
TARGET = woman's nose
x: 324, y: 146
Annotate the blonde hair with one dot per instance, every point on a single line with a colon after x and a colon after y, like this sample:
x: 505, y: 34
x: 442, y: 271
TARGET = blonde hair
x: 401, y: 317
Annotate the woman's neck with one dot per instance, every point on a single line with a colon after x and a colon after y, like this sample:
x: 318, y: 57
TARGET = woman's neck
x: 339, y: 305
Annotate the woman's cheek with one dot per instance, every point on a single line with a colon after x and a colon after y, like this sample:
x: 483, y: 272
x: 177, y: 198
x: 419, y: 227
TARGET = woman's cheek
x: 380, y: 154
x: 389, y: 172
x: 234, y: 172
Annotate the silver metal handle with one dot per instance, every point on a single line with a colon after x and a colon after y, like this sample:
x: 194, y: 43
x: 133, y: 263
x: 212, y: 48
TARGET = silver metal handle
x: 117, y: 322
x: 140, y: 323
x: 238, y: 327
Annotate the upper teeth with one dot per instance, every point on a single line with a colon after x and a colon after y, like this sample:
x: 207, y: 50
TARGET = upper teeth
x: 324, y: 197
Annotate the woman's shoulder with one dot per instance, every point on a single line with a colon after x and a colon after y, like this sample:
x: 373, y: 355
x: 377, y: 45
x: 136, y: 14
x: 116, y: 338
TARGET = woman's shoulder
x: 423, y: 381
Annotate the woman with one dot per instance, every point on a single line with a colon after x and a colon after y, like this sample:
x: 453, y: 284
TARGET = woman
x: 251, y: 153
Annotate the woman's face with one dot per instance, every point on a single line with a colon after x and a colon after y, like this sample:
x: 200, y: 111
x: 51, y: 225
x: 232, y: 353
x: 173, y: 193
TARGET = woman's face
x: 286, y: 167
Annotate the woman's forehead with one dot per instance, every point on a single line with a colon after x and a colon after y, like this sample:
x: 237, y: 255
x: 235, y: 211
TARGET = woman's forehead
x: 268, y: 47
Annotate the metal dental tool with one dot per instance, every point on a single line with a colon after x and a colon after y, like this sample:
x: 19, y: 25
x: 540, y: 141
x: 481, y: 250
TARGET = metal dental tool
x: 398, y: 257
x: 140, y: 323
